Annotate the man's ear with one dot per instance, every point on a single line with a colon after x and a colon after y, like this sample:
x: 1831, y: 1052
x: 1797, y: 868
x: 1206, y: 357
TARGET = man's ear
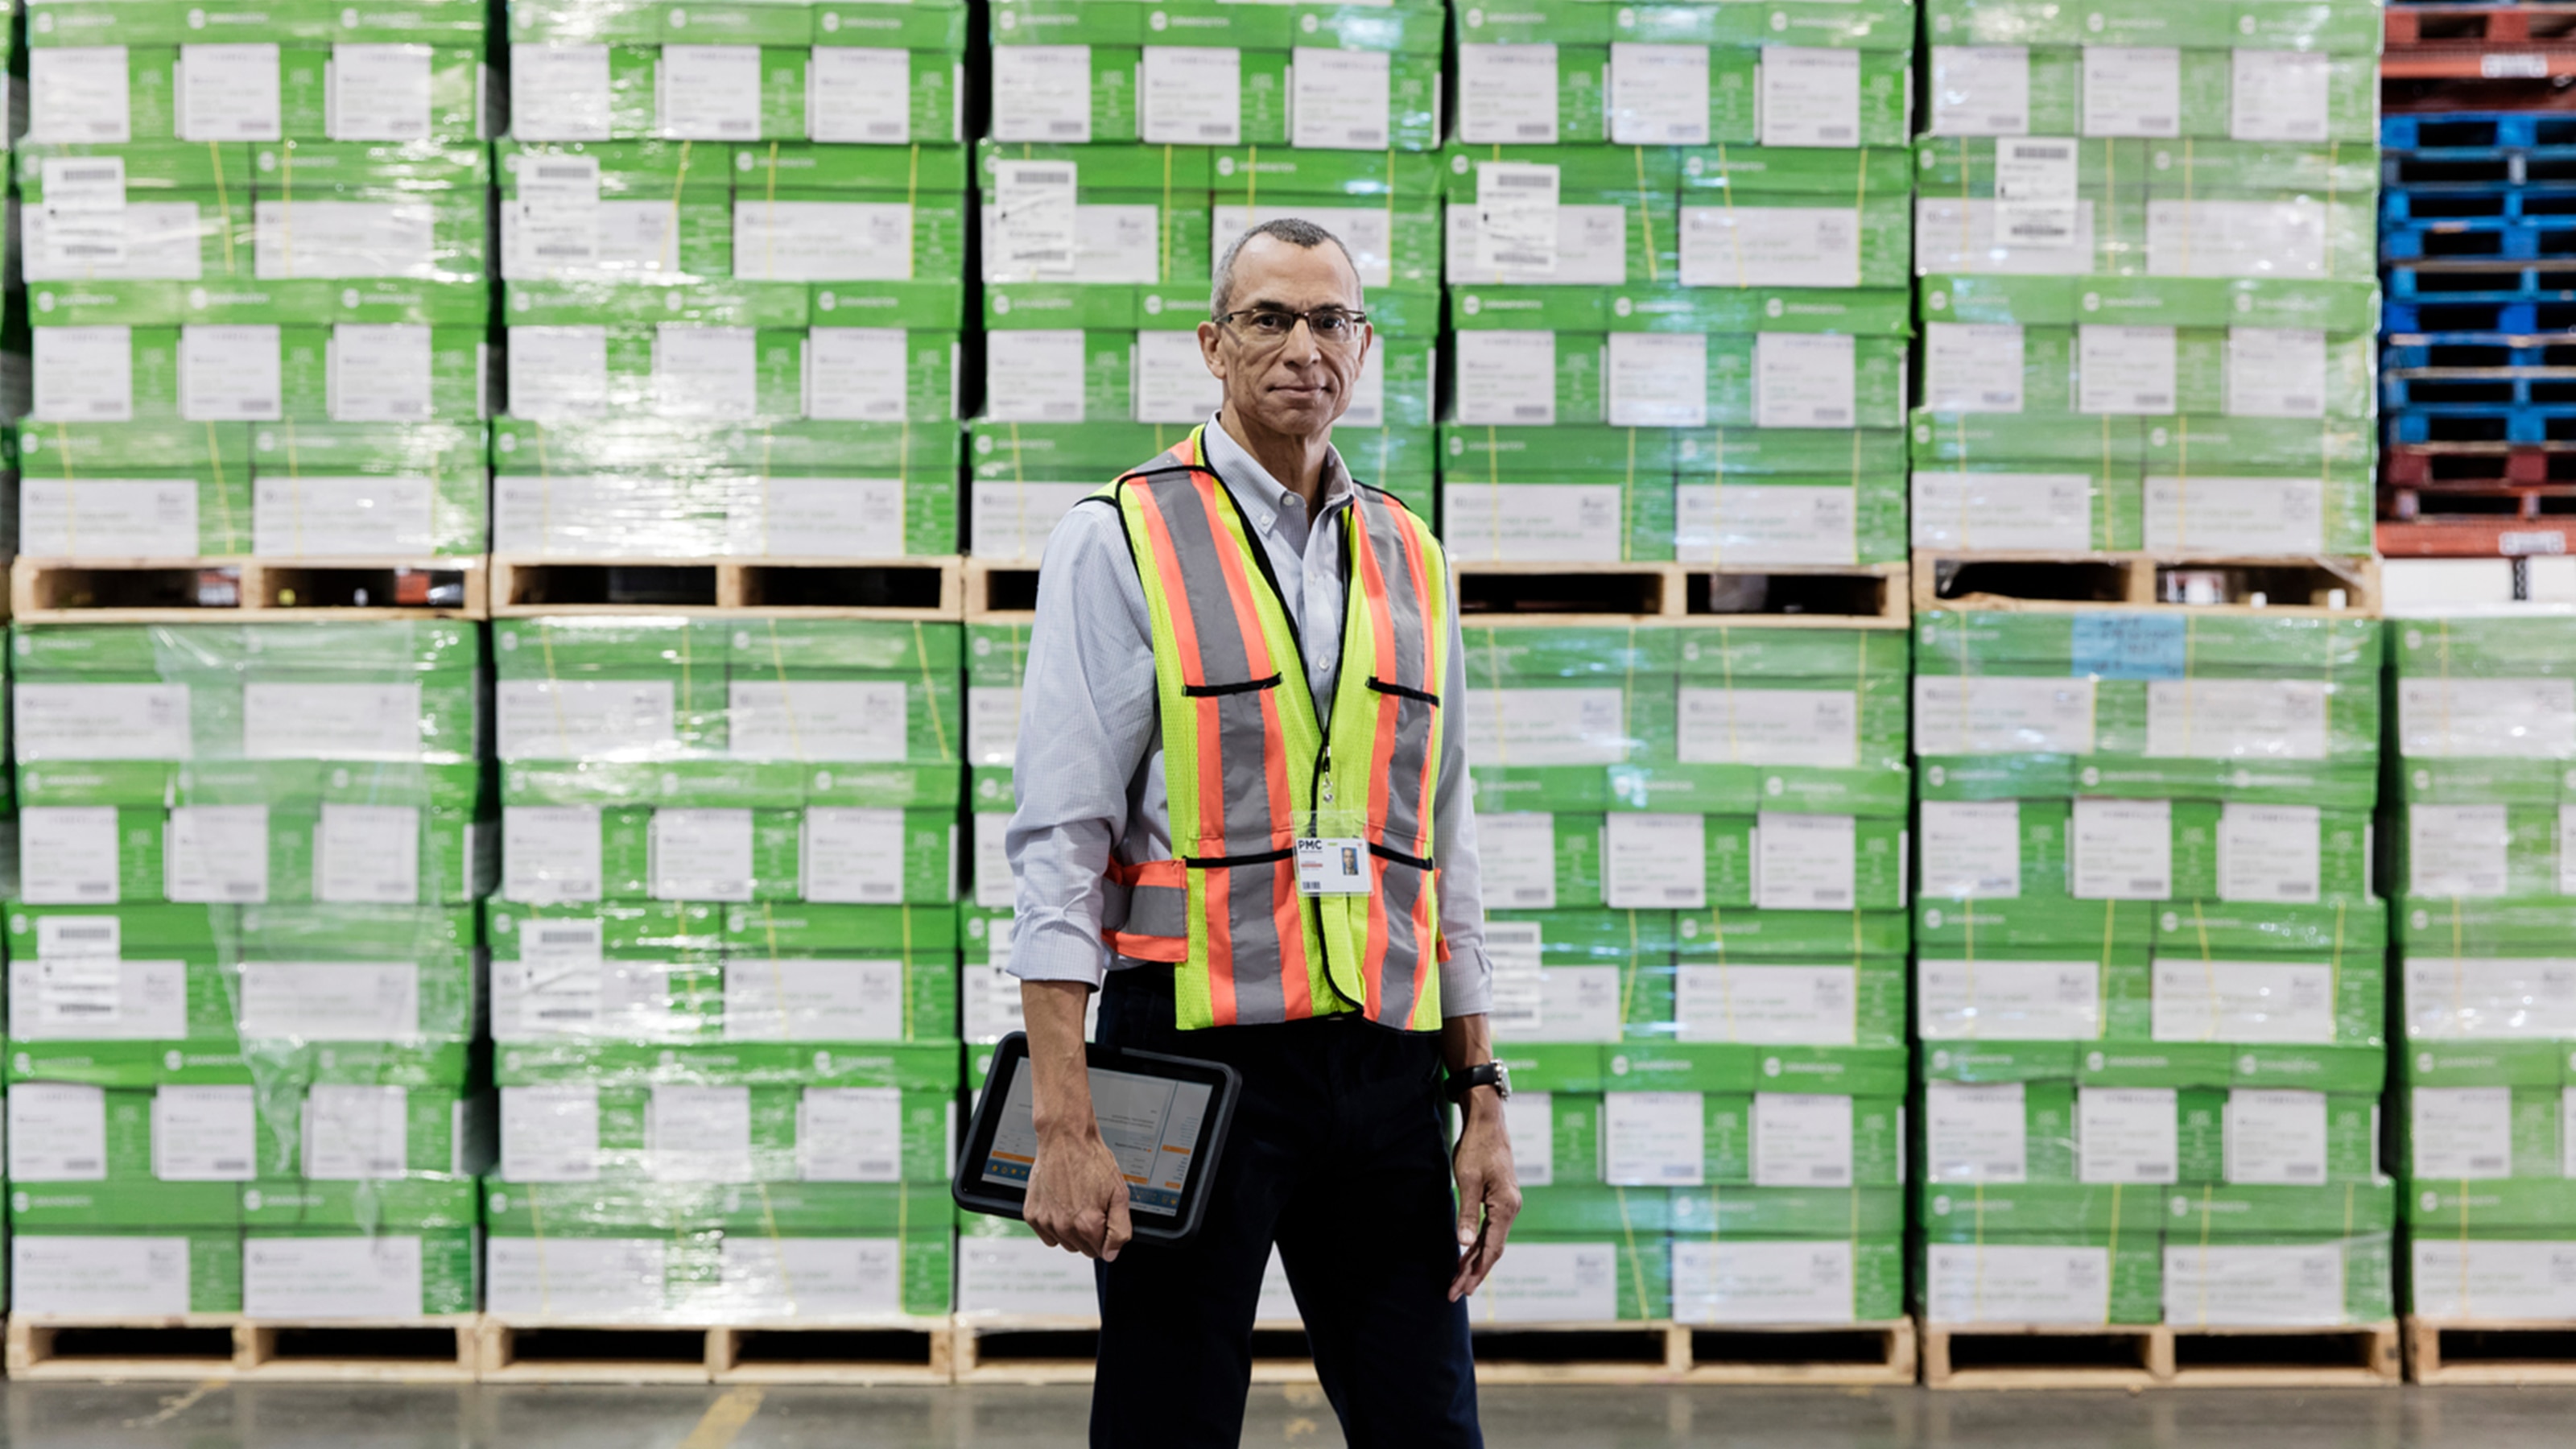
x: 1208, y: 334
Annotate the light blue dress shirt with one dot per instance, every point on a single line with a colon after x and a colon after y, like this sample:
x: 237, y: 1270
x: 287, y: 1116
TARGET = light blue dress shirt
x: 1089, y: 775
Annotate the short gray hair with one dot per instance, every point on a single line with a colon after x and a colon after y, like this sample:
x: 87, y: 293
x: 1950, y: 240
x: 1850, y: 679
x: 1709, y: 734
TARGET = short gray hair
x: 1294, y: 230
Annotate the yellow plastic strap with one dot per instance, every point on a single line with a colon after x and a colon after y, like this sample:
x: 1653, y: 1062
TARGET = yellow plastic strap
x: 929, y: 692
x: 679, y: 183
x: 1646, y: 216
x: 1717, y: 494
x: 285, y: 209
x: 1636, y: 1265
x: 223, y: 205
x: 769, y: 1224
x: 1726, y: 192
x: 769, y: 239
x: 1163, y: 221
x: 795, y: 735
x: 223, y: 499
x: 1494, y: 497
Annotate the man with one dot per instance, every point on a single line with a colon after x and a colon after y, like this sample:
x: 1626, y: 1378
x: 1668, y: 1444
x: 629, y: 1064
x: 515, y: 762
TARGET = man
x: 1239, y: 645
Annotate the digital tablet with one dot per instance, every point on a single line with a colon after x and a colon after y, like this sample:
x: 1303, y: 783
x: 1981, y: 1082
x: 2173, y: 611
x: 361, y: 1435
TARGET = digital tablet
x: 1164, y: 1119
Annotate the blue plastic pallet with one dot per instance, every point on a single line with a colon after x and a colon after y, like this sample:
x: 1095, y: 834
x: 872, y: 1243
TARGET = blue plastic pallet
x: 2496, y: 284
x: 2474, y: 349
x: 2456, y: 201
x: 2478, y: 128
x: 2478, y: 165
x: 2453, y: 314
x: 2477, y: 391
x: 2518, y: 423
x: 2508, y: 240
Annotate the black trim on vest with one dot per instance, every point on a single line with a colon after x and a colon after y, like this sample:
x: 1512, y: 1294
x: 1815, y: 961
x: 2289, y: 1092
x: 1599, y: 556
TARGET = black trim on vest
x: 1211, y: 691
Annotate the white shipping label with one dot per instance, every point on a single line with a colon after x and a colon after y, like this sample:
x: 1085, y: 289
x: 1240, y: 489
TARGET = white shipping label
x: 1190, y: 95
x: 1517, y: 853
x: 1653, y: 1139
x: 1803, y: 380
x: 861, y: 94
x: 850, y: 1134
x: 378, y: 93
x: 705, y: 372
x: 856, y: 374
x: 1338, y: 98
x: 331, y: 1000
x: 558, y: 998
x: 101, y: 721
x: 1972, y: 367
x: 216, y: 854
x: 1509, y: 377
x: 97, y: 998
x: 2484, y: 998
x: 331, y: 721
x: 2524, y: 719
x: 1980, y: 237
x: 2120, y: 850
x: 1999, y: 715
x: 2254, y: 1284
x: 1534, y: 522
x: 2278, y: 95
x: 708, y: 92
x: 79, y: 95
x: 227, y: 93
x: 2127, y: 1134
x: 230, y: 374
x: 1515, y: 951
x: 1971, y: 849
x: 550, y: 1134
x: 1749, y: 726
x: 2256, y: 515
x: 2270, y: 853
x: 550, y: 853
x: 356, y: 1132
x: 367, y: 855
x: 852, y: 856
x: 823, y: 241
x: 1590, y: 248
x: 379, y: 374
x: 1980, y: 90
x: 60, y: 1273
x: 2016, y: 1283
x: 559, y: 92
x: 698, y: 1134
x: 1808, y: 96
x: 2244, y: 1001
x: 319, y: 240
x: 992, y: 1008
x: 2486, y: 1278
x: 818, y: 518
x: 1518, y: 232
x: 1576, y: 1004
x: 2459, y: 1133
x: 1652, y: 379
x: 813, y: 1278
x: 1042, y: 93
x: 1034, y: 377
x: 2566, y: 850
x: 84, y: 184
x: 2283, y: 238
x: 2225, y: 719
x: 67, y: 855
x: 2124, y: 369
x: 1170, y: 381
x: 842, y: 721
x: 994, y: 888
x: 77, y: 242
x: 1529, y: 1119
x: 2008, y: 1000
x: 1507, y: 93
x: 1750, y: 523
x: 63, y: 936
x: 84, y: 374
x: 580, y: 719
x: 57, y: 1132
x: 2132, y: 90
x: 1770, y: 246
x: 312, y: 516
x: 1035, y: 223
x: 1551, y: 1283
x: 1020, y: 1275
x: 1654, y: 862
x: 2275, y: 1137
x: 993, y: 727
x: 1759, y: 1282
x: 814, y: 1000
x: 108, y: 517
x: 377, y: 1275
x: 1802, y: 1139
x: 593, y: 1279
x: 558, y: 373
x: 1659, y: 95
x: 1804, y: 862
x: 2035, y: 202
x: 700, y: 855
x: 1976, y: 1132
x: 2276, y: 372
x: 1524, y: 726
x: 204, y: 1134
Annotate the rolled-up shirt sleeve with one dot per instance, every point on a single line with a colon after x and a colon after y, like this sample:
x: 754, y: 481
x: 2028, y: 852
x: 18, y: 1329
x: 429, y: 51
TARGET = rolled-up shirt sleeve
x: 1086, y: 722
x: 1467, y: 977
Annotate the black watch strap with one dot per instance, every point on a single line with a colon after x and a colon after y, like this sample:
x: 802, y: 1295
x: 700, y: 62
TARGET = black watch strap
x: 1485, y: 1074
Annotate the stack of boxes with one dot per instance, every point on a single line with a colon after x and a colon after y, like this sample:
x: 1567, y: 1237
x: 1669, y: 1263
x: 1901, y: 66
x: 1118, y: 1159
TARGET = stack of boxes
x: 245, y: 970
x: 2486, y: 734
x: 725, y: 968
x: 1693, y: 845
x: 2149, y: 978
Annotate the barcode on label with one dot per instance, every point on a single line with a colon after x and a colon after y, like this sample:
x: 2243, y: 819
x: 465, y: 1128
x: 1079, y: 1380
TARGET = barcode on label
x: 1522, y: 259
x: 1371, y: 139
x: 1677, y: 1171
x: 1835, y: 133
x: 2001, y: 1169
x: 1825, y: 1172
x: 1535, y: 130
x: 2302, y: 1169
x: 2300, y: 402
x: 80, y: 1164
x: 2486, y: 1164
x: 1832, y: 417
x: 562, y: 173
x: 1511, y: 179
x: 385, y: 1166
x: 83, y: 933
x: 1067, y: 128
x: 1033, y: 176
x: 1536, y: 412
x: 1998, y: 399
x: 565, y: 938
x: 1832, y: 896
x: 231, y: 1164
x: 2155, y: 123
x: 891, y: 130
x: 2151, y: 1170
x: 876, y: 1167
x: 86, y: 173
x: 2153, y: 400
x: 1532, y: 893
x: 1216, y: 130
x: 2026, y: 151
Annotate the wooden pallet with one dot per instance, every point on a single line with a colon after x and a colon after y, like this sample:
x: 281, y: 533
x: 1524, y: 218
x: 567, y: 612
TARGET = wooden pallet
x: 1001, y: 591
x: 2055, y: 582
x: 198, y: 1346
x: 2435, y: 465
x: 1560, y: 595
x: 1840, y: 1354
x: 994, y: 1348
x: 2520, y: 1351
x: 914, y: 1350
x: 911, y: 588
x: 2142, y: 1356
x: 168, y: 590
x: 2476, y: 537
x: 1861, y: 596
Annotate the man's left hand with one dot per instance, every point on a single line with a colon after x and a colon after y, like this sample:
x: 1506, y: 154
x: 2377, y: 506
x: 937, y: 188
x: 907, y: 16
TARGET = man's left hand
x: 1489, y: 1194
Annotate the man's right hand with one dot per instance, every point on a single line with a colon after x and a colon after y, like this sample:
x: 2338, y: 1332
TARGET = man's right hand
x: 1077, y: 1197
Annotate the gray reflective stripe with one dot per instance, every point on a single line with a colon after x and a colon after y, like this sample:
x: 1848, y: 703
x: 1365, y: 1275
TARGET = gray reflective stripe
x: 1255, y: 959
x: 1400, y: 889
x: 1406, y: 805
x: 1158, y: 911
x: 1242, y: 820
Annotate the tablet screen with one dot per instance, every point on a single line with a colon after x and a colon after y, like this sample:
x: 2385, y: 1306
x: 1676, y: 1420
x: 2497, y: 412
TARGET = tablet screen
x: 1150, y: 1123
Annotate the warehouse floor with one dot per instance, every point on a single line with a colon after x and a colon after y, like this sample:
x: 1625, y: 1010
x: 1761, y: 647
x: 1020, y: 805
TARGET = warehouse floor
x: 330, y: 1416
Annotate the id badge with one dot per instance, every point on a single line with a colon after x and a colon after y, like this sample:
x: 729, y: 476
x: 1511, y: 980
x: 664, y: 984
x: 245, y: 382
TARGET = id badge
x: 1332, y: 865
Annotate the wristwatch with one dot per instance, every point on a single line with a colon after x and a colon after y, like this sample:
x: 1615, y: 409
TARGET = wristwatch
x: 1487, y: 1074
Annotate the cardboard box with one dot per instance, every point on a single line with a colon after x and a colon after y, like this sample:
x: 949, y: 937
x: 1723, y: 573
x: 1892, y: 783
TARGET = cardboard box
x: 2148, y: 850
x: 2024, y: 84
x: 142, y: 1271
x: 1616, y: 218
x: 289, y: 853
x: 2043, y: 1131
x: 582, y: 1132
x: 1685, y: 1138
x: 194, y: 1136
x: 1141, y: 214
x: 111, y: 76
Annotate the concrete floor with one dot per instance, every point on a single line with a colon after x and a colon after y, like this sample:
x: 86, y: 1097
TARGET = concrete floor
x: 281, y: 1416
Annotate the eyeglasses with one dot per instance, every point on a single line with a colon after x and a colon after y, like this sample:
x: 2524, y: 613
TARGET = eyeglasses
x: 1270, y: 326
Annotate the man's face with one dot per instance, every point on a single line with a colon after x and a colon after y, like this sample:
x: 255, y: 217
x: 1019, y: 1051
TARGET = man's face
x: 1297, y: 385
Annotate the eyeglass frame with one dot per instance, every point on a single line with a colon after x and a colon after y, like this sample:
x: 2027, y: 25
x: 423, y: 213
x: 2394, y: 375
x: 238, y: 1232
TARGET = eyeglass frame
x: 1357, y: 317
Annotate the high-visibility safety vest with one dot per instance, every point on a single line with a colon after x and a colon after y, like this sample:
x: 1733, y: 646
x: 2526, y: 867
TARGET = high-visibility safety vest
x: 1247, y: 761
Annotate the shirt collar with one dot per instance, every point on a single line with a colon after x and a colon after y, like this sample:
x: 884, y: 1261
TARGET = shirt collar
x: 1260, y: 494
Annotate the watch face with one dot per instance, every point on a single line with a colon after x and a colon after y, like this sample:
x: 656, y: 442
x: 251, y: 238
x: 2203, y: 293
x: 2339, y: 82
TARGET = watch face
x: 1502, y: 1081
